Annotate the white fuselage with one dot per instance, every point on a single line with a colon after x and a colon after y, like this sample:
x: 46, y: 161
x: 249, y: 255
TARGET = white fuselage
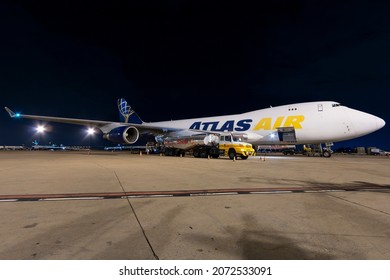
x: 312, y: 122
x: 300, y: 123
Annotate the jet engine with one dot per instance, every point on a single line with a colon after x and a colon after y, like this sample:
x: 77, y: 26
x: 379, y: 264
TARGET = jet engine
x: 123, y: 135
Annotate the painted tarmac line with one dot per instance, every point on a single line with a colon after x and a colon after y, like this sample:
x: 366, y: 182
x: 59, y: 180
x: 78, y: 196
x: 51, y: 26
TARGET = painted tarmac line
x: 160, y: 194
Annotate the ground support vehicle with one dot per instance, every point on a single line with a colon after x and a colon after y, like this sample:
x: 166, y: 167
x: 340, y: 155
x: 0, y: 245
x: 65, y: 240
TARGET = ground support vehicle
x: 212, y: 146
x: 317, y: 150
x: 233, y: 147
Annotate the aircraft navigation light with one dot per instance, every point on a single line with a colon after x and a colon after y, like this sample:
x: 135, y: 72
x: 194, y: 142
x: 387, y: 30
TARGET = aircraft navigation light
x: 17, y: 115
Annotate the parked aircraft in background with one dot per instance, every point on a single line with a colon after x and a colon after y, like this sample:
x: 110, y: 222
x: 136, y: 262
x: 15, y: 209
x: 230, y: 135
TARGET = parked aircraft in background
x: 300, y: 123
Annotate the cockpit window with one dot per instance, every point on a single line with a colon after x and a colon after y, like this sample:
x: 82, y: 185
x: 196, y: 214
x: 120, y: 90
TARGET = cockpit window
x: 336, y: 105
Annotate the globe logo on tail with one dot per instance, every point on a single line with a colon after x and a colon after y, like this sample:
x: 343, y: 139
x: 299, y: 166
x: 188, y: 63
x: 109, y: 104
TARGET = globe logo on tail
x: 124, y: 109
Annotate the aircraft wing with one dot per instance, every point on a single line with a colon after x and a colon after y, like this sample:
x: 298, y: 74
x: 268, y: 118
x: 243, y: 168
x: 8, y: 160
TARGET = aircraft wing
x: 57, y: 119
x: 104, y: 126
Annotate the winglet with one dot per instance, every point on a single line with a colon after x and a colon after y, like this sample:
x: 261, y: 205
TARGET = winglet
x: 10, y: 112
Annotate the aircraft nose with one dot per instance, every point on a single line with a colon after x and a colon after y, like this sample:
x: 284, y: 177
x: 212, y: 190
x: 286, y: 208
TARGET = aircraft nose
x: 365, y: 123
x: 380, y: 123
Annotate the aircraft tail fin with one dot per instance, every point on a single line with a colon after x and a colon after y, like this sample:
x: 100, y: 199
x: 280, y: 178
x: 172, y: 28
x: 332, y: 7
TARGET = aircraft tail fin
x: 126, y: 113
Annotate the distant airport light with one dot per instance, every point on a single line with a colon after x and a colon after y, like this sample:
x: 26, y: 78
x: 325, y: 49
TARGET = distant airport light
x: 91, y: 131
x: 40, y: 129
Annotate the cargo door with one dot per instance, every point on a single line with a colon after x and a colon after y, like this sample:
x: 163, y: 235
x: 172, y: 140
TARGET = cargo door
x: 287, y: 134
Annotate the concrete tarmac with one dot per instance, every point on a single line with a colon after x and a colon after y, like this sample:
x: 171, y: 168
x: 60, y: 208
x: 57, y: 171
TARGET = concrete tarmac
x: 318, y: 220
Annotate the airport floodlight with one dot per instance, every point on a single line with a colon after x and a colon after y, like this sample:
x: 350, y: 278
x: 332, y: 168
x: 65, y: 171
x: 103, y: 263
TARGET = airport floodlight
x: 40, y: 129
x: 91, y: 131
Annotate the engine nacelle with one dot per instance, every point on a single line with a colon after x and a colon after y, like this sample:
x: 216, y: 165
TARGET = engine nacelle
x: 123, y: 135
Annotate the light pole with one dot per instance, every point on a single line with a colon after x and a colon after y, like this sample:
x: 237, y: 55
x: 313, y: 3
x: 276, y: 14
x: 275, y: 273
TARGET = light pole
x: 90, y: 132
x: 40, y: 129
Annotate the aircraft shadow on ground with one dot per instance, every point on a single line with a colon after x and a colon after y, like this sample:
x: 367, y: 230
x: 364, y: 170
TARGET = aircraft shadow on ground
x: 253, y: 244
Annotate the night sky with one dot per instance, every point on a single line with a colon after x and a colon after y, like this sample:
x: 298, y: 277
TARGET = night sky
x: 185, y: 59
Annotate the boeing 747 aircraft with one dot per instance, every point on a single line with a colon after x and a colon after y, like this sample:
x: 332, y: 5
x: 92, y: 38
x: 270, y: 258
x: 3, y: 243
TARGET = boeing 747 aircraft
x: 301, y: 123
